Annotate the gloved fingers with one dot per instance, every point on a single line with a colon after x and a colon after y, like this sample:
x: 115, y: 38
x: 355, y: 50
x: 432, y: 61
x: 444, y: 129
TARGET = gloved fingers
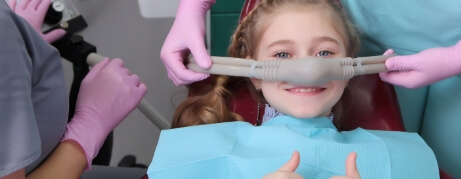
x: 125, y: 71
x: 135, y: 80
x: 142, y: 89
x: 138, y: 93
x: 117, y: 62
x: 12, y: 4
x: 388, y: 52
x: 23, y: 4
x: 190, y: 15
x: 403, y: 78
x: 178, y: 73
x: 400, y: 63
x: 200, y: 53
x: 172, y: 77
x: 33, y: 4
x: 54, y: 35
x: 43, y: 6
x: 196, y: 7
x: 97, y: 68
x: 185, y: 76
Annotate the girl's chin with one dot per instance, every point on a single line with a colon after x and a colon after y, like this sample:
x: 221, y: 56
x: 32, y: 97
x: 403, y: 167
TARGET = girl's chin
x: 310, y: 114
x: 302, y: 116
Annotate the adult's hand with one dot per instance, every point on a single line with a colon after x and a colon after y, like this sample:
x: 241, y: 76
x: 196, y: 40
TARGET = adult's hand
x: 424, y: 68
x: 34, y: 11
x: 107, y: 95
x: 187, y: 35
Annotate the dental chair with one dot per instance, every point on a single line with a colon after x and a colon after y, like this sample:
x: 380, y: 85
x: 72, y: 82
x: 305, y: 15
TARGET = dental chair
x: 373, y: 103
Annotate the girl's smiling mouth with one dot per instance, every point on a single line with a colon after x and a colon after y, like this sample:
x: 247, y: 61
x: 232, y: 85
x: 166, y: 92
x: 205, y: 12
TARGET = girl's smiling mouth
x: 306, y: 91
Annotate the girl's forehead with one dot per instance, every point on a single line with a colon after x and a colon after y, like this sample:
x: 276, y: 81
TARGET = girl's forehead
x: 310, y: 18
x: 298, y: 24
x: 299, y: 7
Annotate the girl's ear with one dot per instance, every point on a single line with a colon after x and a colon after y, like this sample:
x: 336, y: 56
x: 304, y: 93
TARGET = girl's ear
x: 256, y: 82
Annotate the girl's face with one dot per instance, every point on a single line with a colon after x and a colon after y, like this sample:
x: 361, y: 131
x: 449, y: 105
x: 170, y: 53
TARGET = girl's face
x: 296, y: 33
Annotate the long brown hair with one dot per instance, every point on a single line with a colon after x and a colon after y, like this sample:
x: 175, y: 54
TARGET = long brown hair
x: 212, y: 106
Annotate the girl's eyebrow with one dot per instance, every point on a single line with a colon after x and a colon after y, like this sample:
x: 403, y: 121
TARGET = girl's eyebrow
x: 281, y: 42
x: 318, y: 40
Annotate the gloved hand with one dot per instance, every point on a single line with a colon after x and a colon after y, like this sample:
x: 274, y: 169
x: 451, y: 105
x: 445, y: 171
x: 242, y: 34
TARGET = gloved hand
x: 107, y: 95
x: 34, y: 11
x: 187, y: 35
x: 423, y: 68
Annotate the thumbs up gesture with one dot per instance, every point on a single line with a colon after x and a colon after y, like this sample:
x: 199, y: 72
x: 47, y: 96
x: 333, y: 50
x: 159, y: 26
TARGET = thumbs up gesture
x: 287, y: 171
x: 351, y: 168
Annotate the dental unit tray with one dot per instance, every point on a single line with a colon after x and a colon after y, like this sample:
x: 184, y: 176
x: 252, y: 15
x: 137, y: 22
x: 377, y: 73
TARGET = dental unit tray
x: 302, y: 71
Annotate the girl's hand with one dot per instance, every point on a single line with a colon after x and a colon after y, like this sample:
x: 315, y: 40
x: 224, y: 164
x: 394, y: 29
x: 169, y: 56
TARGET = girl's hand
x: 287, y: 171
x: 351, y: 168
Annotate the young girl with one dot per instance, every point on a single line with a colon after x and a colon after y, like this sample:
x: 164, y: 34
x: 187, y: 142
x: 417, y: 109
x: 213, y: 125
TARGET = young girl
x: 283, y: 30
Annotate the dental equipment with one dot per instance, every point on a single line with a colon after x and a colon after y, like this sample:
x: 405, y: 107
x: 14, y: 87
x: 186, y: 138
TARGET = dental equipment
x: 82, y: 55
x: 61, y: 14
x: 303, y: 71
x: 148, y: 110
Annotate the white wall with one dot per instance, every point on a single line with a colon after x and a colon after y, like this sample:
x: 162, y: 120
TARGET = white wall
x: 117, y: 29
x: 162, y: 8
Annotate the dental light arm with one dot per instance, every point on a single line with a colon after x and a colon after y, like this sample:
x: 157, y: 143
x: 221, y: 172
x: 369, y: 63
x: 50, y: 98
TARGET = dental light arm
x: 148, y: 110
x: 304, y: 71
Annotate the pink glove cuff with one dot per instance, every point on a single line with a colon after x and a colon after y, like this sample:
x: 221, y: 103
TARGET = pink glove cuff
x: 87, y: 136
x: 107, y: 95
x: 198, y: 6
x: 455, y: 57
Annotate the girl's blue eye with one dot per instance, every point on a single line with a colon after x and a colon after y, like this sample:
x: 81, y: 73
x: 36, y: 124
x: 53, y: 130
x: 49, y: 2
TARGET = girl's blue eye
x: 324, y: 53
x: 282, y: 55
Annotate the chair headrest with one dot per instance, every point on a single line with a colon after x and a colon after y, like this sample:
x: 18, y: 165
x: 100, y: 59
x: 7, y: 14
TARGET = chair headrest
x: 247, y: 7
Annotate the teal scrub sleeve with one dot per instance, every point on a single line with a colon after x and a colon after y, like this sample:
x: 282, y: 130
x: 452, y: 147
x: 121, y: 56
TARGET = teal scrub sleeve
x: 409, y: 27
x: 441, y: 127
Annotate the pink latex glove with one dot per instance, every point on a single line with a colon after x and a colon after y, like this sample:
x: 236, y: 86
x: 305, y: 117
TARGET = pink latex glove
x: 423, y: 68
x: 107, y: 95
x: 187, y: 35
x: 34, y: 11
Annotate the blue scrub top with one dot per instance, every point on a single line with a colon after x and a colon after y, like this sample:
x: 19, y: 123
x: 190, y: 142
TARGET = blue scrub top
x: 241, y: 150
x: 408, y: 27
x: 33, y: 95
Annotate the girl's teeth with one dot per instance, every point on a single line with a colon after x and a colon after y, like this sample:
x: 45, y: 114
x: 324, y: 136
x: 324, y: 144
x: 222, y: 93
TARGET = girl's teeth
x: 305, y: 90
